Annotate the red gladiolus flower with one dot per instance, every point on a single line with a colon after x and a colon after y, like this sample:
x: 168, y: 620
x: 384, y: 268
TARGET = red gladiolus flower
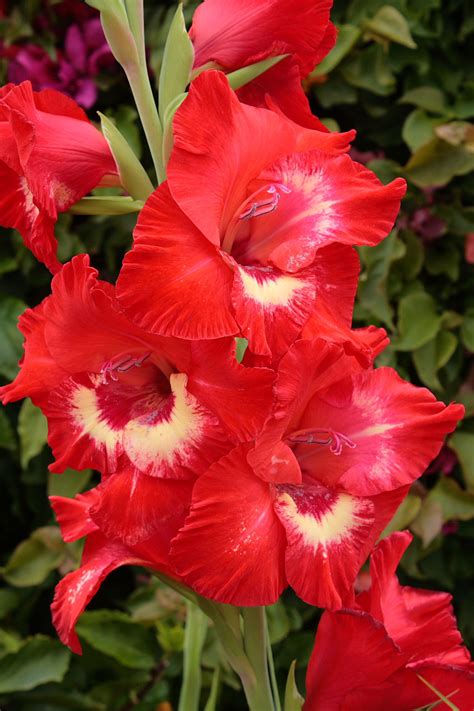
x: 128, y: 520
x: 233, y: 34
x: 238, y: 233
x: 50, y: 157
x: 325, y: 477
x: 117, y: 397
x: 371, y: 657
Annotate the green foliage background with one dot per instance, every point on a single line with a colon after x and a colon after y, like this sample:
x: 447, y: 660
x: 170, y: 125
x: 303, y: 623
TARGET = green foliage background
x: 402, y: 75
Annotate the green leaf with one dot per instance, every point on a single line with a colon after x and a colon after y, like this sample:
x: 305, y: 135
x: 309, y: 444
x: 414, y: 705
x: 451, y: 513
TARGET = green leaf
x: 418, y: 129
x: 278, y: 622
x: 373, y: 284
x: 418, y: 321
x: 369, y: 69
x: 7, y: 436
x: 462, y: 443
x: 428, y: 98
x: 106, y: 205
x: 445, y: 502
x: 438, y: 162
x: 32, y: 431
x: 9, y: 642
x: 241, y: 347
x: 170, y: 636
x: 11, y: 340
x: 177, y: 63
x: 117, y: 636
x: 33, y: 559
x: 389, y: 24
x: 404, y: 515
x: 39, y: 661
x: 132, y: 174
x: 293, y: 699
x: 243, y: 76
x: 434, y: 355
x: 346, y: 39
x: 69, y: 483
x: 467, y: 330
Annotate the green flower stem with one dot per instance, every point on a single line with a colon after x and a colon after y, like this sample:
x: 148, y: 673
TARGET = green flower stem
x: 196, y: 628
x: 260, y: 697
x: 271, y: 666
x: 142, y: 93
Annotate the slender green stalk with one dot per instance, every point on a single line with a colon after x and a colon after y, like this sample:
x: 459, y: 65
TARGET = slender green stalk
x: 148, y: 111
x: 271, y: 666
x: 259, y: 696
x: 196, y: 628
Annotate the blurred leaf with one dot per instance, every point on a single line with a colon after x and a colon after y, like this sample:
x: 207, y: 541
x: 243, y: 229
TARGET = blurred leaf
x: 462, y: 443
x: 347, y: 37
x: 32, y: 431
x: 437, y: 163
x: 388, y: 23
x: 412, y: 262
x: 39, y: 661
x: 33, y: 559
x: 170, y: 636
x: 428, y: 98
x: 278, y: 622
x: 7, y: 436
x: 404, y: 515
x: 467, y: 330
x: 418, y: 321
x: 293, y: 699
x: 369, y: 69
x: 69, y: 483
x: 372, y: 292
x: 434, y: 355
x: 9, y: 600
x: 9, y: 642
x: 445, y: 502
x: 116, y: 635
x: 445, y: 259
x: 418, y: 129
x: 11, y: 340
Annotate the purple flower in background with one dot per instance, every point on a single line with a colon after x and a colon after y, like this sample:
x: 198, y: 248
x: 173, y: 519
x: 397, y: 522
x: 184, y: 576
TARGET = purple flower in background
x: 444, y: 462
x: 427, y: 225
x: 84, y: 55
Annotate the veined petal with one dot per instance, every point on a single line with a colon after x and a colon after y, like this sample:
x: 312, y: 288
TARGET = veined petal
x: 73, y: 515
x: 327, y: 533
x: 271, y: 307
x: 19, y: 211
x: 132, y: 507
x: 63, y: 157
x: 173, y: 281
x: 330, y: 199
x: 395, y: 430
x: 108, y: 425
x: 354, y: 643
x: 76, y: 589
x: 230, y: 530
x: 235, y: 33
x: 220, y: 146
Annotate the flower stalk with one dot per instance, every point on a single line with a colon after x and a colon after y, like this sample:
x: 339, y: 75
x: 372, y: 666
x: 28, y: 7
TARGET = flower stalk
x: 195, y: 636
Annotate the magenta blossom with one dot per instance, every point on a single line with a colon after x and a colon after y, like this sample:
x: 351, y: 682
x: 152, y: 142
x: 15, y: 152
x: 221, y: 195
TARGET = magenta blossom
x: 84, y: 55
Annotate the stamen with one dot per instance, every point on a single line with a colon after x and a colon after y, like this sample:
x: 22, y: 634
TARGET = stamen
x: 335, y: 440
x: 122, y: 364
x: 264, y: 207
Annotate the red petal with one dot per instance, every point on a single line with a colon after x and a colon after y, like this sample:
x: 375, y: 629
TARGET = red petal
x: 397, y: 429
x: 73, y: 515
x: 132, y: 507
x: 352, y: 651
x: 63, y: 157
x: 76, y: 590
x: 173, y: 281
x: 240, y: 32
x: 241, y: 397
x: 39, y: 372
x: 327, y: 534
x: 103, y: 425
x: 230, y: 531
x: 271, y: 307
x: 220, y: 146
x: 331, y: 199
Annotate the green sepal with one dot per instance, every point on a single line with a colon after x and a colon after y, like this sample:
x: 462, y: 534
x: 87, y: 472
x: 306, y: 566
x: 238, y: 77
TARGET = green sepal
x: 171, y: 109
x: 106, y: 205
x: 132, y: 174
x: 293, y: 699
x: 243, y: 76
x: 117, y: 30
x: 177, y: 62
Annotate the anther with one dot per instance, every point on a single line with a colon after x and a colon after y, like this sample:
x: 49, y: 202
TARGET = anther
x: 335, y: 440
x: 121, y: 365
x: 264, y: 207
